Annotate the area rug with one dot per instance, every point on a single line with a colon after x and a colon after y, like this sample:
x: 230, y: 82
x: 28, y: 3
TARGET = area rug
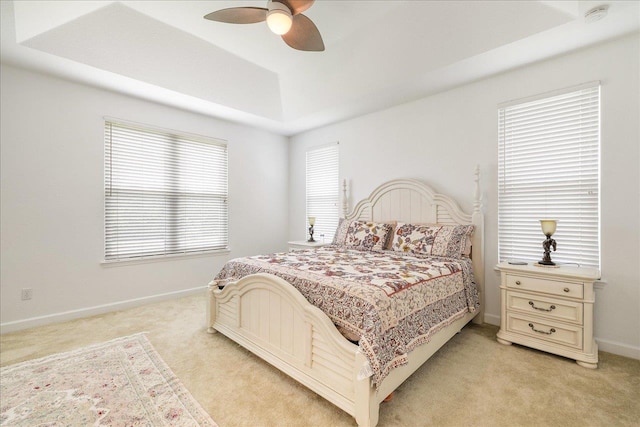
x: 123, y: 382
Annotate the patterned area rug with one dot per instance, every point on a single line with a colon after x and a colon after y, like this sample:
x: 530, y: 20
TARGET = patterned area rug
x: 123, y: 382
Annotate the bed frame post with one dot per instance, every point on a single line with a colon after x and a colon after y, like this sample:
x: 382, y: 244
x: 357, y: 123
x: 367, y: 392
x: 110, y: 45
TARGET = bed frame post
x: 367, y: 407
x: 477, y: 218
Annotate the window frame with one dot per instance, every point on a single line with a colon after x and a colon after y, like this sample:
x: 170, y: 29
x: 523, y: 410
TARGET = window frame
x: 324, y: 233
x: 174, y: 141
x: 576, y: 109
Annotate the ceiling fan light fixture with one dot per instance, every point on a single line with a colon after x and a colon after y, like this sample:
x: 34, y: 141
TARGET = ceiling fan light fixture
x: 279, y: 18
x: 283, y: 17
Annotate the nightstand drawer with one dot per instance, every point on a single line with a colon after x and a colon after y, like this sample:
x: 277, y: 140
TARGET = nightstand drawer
x: 545, y: 330
x: 550, y: 308
x: 565, y: 289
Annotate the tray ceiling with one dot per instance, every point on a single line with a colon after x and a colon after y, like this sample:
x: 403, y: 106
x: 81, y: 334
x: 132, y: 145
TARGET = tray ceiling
x: 378, y: 53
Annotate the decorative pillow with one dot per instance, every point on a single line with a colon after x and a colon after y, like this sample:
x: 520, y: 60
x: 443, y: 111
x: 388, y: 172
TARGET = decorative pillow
x: 466, y: 251
x: 393, y: 225
x: 341, y: 232
x: 368, y: 235
x: 437, y: 240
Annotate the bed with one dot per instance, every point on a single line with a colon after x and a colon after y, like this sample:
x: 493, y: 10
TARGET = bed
x: 269, y: 316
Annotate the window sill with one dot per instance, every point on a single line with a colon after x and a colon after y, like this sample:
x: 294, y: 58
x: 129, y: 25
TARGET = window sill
x: 159, y: 258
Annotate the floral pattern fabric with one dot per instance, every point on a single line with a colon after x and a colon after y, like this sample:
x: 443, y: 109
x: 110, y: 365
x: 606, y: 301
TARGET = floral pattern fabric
x: 341, y: 232
x: 435, y: 240
x: 392, y: 301
x: 366, y: 235
x: 123, y: 382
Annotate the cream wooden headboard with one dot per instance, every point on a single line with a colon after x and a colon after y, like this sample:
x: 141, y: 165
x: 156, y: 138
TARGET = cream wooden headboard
x: 411, y: 200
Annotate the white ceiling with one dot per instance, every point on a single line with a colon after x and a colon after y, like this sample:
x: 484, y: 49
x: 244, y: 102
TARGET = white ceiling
x: 378, y: 53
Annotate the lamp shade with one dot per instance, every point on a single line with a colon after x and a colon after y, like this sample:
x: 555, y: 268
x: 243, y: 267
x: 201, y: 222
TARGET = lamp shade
x: 312, y: 220
x: 279, y: 18
x: 548, y: 226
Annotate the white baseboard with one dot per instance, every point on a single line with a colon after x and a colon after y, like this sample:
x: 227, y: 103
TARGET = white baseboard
x: 18, y: 325
x: 492, y: 319
x: 618, y: 348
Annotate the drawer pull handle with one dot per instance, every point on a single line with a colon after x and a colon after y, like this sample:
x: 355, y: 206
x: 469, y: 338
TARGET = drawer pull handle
x: 518, y: 282
x: 553, y: 307
x: 552, y: 330
x: 566, y: 289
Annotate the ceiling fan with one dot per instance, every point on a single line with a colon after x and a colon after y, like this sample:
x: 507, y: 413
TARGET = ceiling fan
x: 283, y: 17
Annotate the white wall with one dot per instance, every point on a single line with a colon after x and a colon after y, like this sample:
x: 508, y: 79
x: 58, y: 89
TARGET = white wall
x: 52, y: 200
x: 441, y: 138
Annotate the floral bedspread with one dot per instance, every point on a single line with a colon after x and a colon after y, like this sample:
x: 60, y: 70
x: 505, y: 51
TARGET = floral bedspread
x: 392, y: 301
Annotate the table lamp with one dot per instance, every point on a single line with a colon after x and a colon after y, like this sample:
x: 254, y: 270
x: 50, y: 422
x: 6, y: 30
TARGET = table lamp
x: 548, y: 228
x: 312, y: 222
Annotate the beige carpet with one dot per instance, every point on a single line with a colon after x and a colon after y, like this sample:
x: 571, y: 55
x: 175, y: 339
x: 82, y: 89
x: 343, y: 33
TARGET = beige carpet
x: 472, y: 381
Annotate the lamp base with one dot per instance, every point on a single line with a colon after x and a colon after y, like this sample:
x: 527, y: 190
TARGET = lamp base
x: 311, y: 240
x: 543, y: 262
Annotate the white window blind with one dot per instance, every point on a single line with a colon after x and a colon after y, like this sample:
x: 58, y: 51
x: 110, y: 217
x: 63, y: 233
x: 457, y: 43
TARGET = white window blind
x: 165, y: 193
x: 549, y: 168
x: 323, y: 191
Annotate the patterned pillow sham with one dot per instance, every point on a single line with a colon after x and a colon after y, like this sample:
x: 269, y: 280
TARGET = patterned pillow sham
x: 466, y: 251
x: 341, y: 232
x: 437, y: 240
x: 364, y: 235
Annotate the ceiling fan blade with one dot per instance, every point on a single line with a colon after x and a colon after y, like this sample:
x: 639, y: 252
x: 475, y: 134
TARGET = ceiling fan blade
x: 304, y: 35
x: 238, y: 15
x: 296, y: 6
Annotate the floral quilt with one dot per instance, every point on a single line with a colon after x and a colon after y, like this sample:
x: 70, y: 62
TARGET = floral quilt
x: 392, y: 301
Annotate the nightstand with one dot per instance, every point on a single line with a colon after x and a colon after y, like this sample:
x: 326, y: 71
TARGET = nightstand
x: 550, y: 309
x: 303, y: 244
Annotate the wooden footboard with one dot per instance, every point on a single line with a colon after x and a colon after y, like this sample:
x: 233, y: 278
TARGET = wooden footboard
x: 272, y: 319
x: 269, y: 317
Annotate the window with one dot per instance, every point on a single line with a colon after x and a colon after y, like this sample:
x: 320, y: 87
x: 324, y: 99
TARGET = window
x: 549, y: 168
x: 323, y: 191
x: 165, y: 193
